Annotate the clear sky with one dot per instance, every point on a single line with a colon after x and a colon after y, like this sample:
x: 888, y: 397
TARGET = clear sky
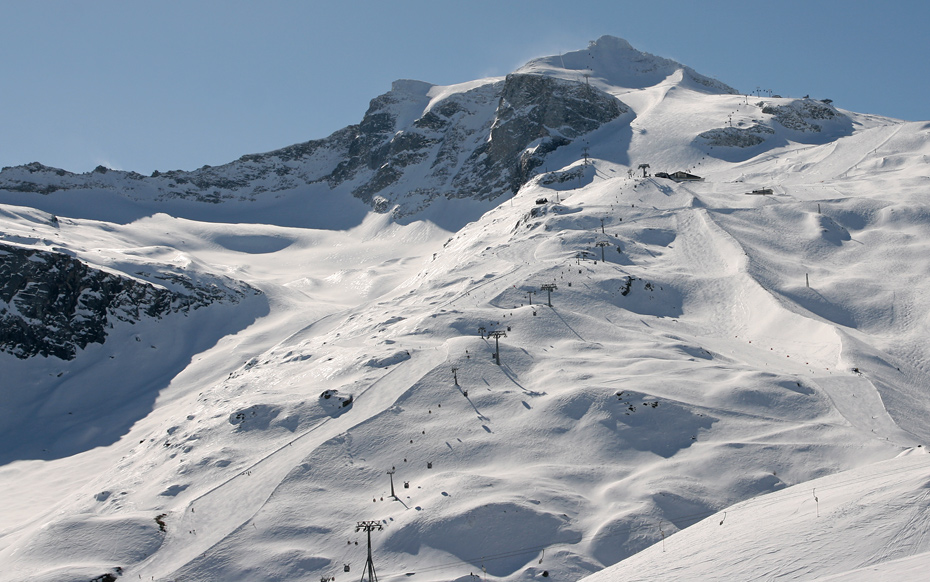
x: 146, y: 85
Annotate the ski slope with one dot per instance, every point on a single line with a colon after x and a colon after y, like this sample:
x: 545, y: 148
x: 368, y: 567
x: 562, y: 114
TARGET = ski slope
x: 868, y: 523
x: 727, y: 352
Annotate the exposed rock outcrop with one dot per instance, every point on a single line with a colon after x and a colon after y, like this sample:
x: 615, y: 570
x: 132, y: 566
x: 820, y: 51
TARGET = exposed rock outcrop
x: 52, y: 304
x: 737, y: 137
x: 479, y: 143
x: 802, y: 114
x: 535, y: 116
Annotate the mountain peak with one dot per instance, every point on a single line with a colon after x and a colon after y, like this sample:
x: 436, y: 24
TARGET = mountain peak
x: 608, y: 42
x: 614, y: 61
x: 411, y: 87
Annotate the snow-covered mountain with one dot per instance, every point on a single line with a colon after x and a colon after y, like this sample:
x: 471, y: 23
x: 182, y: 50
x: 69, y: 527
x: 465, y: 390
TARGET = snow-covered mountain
x: 207, y: 375
x: 476, y: 140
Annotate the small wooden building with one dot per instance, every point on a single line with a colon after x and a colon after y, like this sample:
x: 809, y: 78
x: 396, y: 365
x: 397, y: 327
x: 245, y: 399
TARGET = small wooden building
x: 680, y: 176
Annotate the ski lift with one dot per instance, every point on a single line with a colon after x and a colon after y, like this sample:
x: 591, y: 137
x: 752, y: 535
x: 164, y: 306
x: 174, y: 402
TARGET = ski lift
x: 406, y: 484
x: 429, y: 465
x: 345, y: 568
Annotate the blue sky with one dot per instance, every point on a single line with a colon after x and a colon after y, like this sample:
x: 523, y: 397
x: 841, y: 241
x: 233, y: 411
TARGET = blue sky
x: 146, y: 85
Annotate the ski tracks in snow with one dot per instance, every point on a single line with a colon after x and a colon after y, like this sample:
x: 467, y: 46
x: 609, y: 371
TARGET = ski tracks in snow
x: 244, y: 494
x: 860, y: 403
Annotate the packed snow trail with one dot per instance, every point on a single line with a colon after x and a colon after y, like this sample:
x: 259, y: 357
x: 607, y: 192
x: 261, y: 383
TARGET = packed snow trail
x: 857, y: 399
x: 233, y: 503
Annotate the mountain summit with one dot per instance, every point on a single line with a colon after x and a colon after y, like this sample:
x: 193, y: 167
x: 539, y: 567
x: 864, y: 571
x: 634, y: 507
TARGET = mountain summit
x: 613, y: 62
x: 416, y: 144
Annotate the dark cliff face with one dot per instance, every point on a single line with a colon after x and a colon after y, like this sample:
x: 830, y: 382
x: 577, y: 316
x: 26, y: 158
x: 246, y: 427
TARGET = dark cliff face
x: 478, y: 144
x: 406, y: 151
x: 535, y: 116
x: 52, y: 304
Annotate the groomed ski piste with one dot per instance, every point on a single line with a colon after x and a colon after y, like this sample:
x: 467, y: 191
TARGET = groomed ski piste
x: 726, y: 385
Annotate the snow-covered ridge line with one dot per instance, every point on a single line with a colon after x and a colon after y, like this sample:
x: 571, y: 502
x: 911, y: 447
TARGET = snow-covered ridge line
x: 841, y: 527
x: 466, y: 141
x: 417, y: 144
x: 612, y: 62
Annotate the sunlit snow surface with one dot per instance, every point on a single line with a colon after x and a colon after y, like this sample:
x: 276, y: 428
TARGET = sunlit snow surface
x: 728, y: 350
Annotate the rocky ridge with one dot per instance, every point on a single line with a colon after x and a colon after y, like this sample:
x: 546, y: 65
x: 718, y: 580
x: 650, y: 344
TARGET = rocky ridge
x: 803, y: 116
x: 417, y: 142
x: 477, y: 144
x: 52, y: 304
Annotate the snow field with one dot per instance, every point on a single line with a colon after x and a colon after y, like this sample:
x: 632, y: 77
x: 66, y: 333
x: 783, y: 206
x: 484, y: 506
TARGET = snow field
x: 736, y: 407
x: 690, y: 371
x: 864, y: 524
